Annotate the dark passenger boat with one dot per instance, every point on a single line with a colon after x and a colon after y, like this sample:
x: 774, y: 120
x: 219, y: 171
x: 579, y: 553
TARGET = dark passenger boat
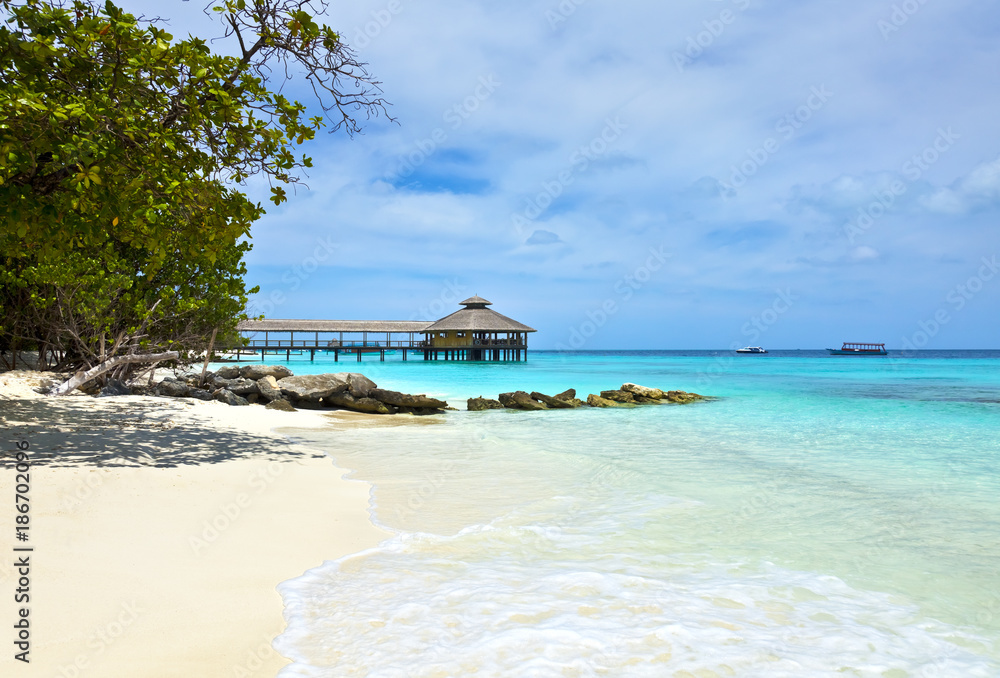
x: 859, y: 349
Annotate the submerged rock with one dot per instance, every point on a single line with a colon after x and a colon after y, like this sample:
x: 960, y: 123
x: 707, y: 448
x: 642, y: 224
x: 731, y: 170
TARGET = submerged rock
x: 519, y: 400
x: 256, y: 372
x: 480, y: 404
x: 598, y: 401
x: 554, y: 403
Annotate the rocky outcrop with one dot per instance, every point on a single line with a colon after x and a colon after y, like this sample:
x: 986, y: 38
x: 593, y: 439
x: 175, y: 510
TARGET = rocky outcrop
x: 598, y: 401
x: 480, y: 404
x: 114, y: 387
x: 519, y: 400
x: 407, y: 400
x: 644, y: 391
x: 313, y: 387
x: 683, y: 397
x: 257, y: 372
x: 367, y: 405
x: 553, y: 402
x: 618, y: 396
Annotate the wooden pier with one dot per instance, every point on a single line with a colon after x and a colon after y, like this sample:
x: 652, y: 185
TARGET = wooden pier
x: 474, y: 333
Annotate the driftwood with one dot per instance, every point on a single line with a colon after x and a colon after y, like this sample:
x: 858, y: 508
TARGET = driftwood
x: 83, y: 377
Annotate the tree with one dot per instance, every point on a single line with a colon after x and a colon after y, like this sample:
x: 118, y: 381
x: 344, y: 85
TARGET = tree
x: 122, y: 153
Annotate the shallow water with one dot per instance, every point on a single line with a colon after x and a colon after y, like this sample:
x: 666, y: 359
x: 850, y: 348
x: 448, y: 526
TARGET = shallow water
x: 826, y: 516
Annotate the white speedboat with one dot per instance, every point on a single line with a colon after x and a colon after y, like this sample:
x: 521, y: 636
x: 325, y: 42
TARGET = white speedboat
x: 751, y: 349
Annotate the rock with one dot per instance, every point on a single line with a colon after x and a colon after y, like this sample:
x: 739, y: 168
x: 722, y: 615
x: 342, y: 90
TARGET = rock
x: 114, y: 388
x: 598, y: 401
x: 618, y: 396
x: 220, y: 382
x: 683, y: 397
x: 421, y: 411
x: 648, y: 401
x: 359, y: 385
x: 519, y: 400
x: 173, y: 388
x: 368, y: 405
x: 644, y: 391
x: 201, y: 394
x: 479, y: 404
x: 554, y: 403
x: 568, y: 394
x: 228, y: 372
x: 280, y: 404
x: 253, y: 398
x: 405, y: 399
x: 267, y: 386
x: 243, y: 387
x: 313, y: 387
x: 228, y: 397
x: 256, y: 372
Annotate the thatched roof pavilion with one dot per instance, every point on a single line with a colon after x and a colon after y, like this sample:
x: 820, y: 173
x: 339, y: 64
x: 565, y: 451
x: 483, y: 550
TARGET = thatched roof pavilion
x: 474, y: 332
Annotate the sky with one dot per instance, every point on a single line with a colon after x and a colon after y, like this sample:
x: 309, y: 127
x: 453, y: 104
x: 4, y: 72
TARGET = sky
x: 693, y: 174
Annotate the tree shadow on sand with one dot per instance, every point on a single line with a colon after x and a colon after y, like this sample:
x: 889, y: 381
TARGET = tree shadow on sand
x: 128, y: 432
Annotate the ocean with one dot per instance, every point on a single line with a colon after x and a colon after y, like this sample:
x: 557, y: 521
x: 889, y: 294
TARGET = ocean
x: 826, y: 516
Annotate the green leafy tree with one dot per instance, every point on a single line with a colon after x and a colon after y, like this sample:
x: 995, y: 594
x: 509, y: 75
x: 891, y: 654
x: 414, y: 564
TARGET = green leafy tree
x: 122, y: 154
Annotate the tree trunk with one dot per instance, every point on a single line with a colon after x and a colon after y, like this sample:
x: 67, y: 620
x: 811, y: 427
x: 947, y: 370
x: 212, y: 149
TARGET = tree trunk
x: 83, y: 377
x: 208, y: 356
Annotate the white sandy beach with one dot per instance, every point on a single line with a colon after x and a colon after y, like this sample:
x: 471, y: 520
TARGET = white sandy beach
x: 160, y: 529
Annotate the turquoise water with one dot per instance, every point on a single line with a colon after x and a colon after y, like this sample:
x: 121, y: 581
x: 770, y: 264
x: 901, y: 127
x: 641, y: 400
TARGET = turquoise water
x: 825, y: 517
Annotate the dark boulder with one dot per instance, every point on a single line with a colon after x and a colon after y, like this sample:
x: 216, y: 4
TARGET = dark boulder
x: 519, y: 400
x: 554, y: 403
x: 256, y: 372
x: 618, y: 396
x: 268, y: 388
x: 228, y: 397
x: 480, y: 404
x: 228, y: 372
x: 173, y: 388
x: 367, y: 405
x: 243, y: 387
x: 113, y: 388
x: 598, y: 401
x: 280, y: 404
x: 406, y: 400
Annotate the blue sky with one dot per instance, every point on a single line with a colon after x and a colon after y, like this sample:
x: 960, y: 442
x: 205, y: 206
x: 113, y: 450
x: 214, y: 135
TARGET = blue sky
x: 691, y: 174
